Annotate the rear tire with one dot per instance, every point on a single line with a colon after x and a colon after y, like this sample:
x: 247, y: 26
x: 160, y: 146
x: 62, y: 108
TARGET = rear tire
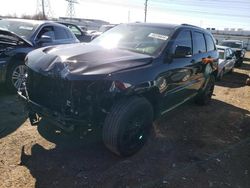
x: 127, y: 126
x: 205, y: 95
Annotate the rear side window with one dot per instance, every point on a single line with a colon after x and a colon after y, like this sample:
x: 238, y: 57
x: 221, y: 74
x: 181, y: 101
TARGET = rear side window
x: 210, y: 43
x: 199, y: 43
x: 61, y: 33
x: 183, y: 39
x: 74, y: 30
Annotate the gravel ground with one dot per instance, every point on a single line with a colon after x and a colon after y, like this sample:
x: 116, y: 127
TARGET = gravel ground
x: 192, y: 146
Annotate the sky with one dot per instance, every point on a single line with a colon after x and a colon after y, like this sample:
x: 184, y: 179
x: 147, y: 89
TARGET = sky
x: 218, y: 14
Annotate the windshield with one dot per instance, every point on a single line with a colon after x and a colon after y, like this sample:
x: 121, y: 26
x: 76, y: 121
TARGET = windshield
x: 232, y: 44
x: 137, y: 38
x: 221, y: 54
x: 22, y: 29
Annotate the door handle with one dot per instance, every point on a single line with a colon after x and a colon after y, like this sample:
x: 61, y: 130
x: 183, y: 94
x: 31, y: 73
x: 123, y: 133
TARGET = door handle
x: 192, y: 61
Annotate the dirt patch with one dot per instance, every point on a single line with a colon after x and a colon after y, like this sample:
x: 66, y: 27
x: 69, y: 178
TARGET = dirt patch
x: 192, y: 146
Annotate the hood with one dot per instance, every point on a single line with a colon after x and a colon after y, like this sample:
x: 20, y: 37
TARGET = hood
x: 236, y: 49
x: 74, y: 60
x: 10, y: 38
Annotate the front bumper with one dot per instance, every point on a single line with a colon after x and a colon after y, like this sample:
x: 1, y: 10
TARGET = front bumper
x: 58, y: 119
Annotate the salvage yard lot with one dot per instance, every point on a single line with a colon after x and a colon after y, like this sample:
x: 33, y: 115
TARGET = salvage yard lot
x: 192, y: 146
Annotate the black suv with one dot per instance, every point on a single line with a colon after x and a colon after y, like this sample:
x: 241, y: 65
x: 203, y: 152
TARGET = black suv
x: 122, y: 80
x: 239, y: 49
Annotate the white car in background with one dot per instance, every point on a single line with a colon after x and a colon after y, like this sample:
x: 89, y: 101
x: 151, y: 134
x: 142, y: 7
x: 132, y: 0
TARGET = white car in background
x: 226, y: 61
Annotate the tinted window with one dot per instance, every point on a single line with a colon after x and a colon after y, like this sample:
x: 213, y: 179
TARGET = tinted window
x: 184, y: 39
x: 199, y: 43
x: 47, y: 31
x: 61, y: 33
x: 210, y: 43
x: 74, y: 30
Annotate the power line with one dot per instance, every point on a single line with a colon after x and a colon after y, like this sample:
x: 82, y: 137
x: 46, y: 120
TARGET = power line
x: 71, y: 8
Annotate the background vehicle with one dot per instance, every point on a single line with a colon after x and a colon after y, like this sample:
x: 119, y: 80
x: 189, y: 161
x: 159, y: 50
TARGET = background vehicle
x: 226, y: 61
x: 19, y: 37
x: 81, y: 35
x: 102, y: 29
x: 238, y: 47
x: 122, y: 80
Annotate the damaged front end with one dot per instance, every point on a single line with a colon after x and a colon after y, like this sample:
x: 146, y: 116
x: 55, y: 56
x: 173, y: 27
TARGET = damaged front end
x: 67, y: 103
x: 76, y: 89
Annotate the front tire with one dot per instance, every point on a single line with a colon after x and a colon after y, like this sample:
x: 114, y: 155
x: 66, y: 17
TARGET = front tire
x: 127, y: 126
x: 205, y: 95
x: 16, y: 76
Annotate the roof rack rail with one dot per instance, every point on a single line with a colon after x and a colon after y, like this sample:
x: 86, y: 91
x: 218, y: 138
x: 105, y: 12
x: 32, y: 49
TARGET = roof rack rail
x: 189, y: 25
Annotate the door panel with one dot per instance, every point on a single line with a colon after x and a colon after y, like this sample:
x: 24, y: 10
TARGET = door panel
x: 181, y: 77
x: 180, y: 81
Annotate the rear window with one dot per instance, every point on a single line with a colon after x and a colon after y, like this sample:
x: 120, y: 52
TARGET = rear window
x: 199, y: 43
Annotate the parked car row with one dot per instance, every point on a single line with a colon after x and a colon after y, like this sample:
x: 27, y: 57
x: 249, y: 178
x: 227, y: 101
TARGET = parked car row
x: 231, y: 54
x: 238, y: 47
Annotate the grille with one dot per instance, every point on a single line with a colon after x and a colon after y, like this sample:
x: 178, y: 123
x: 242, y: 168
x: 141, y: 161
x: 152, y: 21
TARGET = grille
x: 55, y: 93
x: 50, y: 92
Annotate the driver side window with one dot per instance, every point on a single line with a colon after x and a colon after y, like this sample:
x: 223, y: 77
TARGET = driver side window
x: 47, y: 31
x: 183, y: 39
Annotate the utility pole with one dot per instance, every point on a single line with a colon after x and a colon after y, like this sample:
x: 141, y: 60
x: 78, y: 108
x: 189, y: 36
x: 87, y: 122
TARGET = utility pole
x: 146, y: 10
x: 43, y: 7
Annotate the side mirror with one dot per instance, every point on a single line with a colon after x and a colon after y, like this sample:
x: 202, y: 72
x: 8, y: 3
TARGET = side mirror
x: 182, y: 51
x: 44, y: 39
